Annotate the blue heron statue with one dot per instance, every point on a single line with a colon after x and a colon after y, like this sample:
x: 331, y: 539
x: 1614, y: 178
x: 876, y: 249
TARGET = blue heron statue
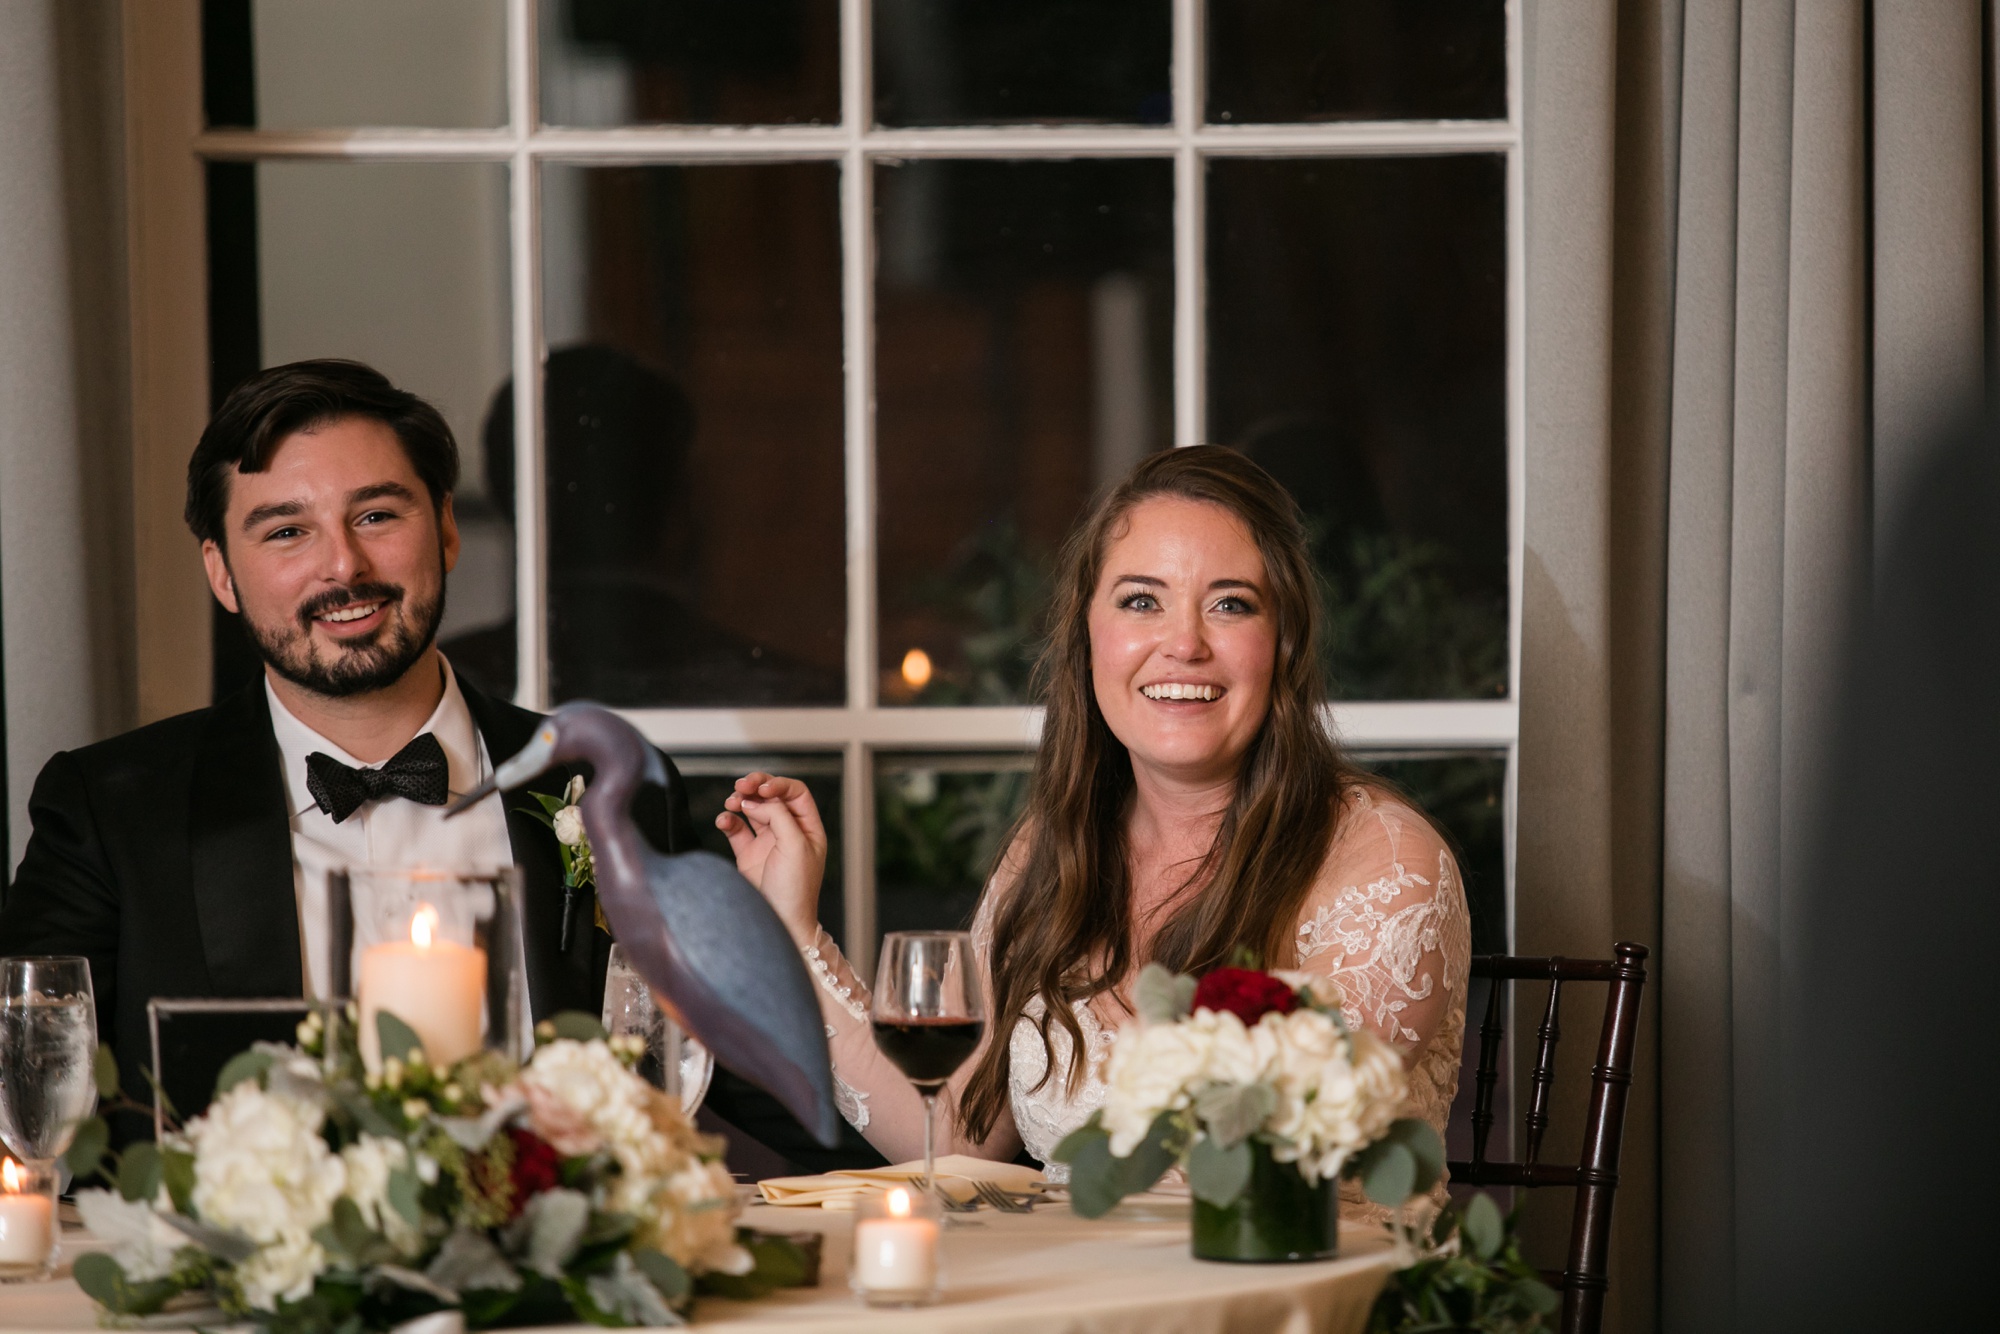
x: 696, y: 930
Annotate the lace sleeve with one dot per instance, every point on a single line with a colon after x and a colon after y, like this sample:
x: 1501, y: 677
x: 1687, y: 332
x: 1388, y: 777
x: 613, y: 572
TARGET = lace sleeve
x: 845, y: 1005
x: 1387, y: 923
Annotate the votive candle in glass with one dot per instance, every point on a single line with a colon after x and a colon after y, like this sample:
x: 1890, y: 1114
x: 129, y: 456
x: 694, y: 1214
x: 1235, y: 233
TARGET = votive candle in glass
x: 895, y: 1260
x: 27, y: 1221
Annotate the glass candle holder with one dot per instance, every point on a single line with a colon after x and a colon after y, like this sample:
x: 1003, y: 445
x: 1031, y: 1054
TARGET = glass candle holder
x: 439, y: 949
x: 28, y: 1230
x: 897, y: 1260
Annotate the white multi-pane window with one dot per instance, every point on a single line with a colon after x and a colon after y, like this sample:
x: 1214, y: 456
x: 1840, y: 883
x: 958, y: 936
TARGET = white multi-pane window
x: 786, y: 339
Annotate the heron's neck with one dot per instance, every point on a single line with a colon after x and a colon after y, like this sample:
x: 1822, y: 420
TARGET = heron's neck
x: 615, y: 844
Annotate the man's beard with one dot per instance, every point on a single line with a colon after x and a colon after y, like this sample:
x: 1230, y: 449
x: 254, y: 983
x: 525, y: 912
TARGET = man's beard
x: 360, y: 665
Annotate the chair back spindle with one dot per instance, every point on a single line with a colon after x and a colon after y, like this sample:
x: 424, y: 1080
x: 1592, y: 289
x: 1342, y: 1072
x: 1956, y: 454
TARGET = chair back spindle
x: 1583, y: 1280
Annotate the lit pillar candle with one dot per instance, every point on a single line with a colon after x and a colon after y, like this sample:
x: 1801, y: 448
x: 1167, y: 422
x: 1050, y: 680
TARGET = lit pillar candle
x: 896, y: 1254
x: 436, y: 986
x: 27, y: 1217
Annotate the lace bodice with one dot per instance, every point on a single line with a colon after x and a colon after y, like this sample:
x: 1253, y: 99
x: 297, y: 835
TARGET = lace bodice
x: 1387, y: 922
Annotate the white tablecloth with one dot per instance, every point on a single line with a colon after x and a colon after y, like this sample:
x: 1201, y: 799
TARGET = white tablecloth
x: 1046, y: 1271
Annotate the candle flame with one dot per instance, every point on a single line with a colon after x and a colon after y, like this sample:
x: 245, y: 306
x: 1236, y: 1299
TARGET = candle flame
x: 899, y: 1202
x: 423, y: 925
x: 10, y: 1173
x: 917, y: 669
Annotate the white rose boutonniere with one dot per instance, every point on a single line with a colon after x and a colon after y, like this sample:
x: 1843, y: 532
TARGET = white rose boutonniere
x: 564, y: 815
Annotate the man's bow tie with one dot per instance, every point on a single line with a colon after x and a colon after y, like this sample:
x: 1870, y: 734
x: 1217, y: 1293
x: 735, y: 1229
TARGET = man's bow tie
x: 418, y: 771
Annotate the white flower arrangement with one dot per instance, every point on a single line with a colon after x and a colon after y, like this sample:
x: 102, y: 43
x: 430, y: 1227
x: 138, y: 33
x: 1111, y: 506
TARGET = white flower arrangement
x: 316, y: 1197
x: 1247, y: 1058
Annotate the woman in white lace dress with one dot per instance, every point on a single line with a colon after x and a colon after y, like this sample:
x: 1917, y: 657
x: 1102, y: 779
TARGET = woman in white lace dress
x: 1186, y: 802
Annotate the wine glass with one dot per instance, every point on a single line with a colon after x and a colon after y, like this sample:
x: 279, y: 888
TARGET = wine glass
x: 674, y: 1062
x: 48, y: 1054
x: 929, y: 1015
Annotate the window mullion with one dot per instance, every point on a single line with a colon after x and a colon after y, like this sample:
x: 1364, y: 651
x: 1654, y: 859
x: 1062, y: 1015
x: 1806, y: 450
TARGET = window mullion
x: 531, y: 677
x: 1190, y: 289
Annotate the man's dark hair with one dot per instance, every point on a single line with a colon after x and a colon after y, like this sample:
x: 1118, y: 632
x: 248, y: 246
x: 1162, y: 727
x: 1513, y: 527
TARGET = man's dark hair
x: 274, y: 404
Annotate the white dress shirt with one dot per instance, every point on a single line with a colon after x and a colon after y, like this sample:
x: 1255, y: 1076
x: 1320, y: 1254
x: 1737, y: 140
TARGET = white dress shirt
x: 391, y: 833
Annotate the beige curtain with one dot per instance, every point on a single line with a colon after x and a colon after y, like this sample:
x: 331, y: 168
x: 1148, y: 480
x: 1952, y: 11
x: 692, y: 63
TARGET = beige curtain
x: 1756, y: 261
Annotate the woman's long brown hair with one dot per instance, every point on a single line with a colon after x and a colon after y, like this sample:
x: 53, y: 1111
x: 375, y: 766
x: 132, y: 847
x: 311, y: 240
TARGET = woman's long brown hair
x: 1063, y: 928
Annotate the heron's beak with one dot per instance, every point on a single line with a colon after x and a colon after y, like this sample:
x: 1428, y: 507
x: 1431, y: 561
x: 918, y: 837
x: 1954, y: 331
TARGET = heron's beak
x: 535, y: 758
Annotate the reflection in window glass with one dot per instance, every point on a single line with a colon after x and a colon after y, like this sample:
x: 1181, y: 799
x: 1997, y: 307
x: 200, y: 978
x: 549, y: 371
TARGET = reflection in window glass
x: 1023, y: 359
x: 976, y: 62
x: 711, y: 778
x: 1467, y: 795
x: 399, y: 265
x: 744, y: 62
x: 693, y: 436
x: 1319, y: 60
x: 1358, y: 350
x: 941, y: 823
x: 293, y: 64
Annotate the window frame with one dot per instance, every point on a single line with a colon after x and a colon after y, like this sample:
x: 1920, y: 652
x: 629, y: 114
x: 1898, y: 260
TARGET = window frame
x: 169, y: 148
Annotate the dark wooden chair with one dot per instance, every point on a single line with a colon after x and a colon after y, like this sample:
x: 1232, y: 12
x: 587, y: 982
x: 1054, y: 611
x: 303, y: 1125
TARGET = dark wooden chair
x: 1594, y: 1177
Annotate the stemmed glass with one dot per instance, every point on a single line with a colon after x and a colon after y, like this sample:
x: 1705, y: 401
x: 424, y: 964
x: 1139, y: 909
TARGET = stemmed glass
x: 928, y: 1015
x: 674, y: 1061
x: 48, y: 1059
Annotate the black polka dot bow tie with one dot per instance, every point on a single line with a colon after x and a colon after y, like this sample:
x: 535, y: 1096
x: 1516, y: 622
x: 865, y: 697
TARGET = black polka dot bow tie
x: 418, y: 772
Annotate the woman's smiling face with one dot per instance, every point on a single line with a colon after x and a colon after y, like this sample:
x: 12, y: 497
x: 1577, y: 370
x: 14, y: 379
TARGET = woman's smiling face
x: 1182, y: 639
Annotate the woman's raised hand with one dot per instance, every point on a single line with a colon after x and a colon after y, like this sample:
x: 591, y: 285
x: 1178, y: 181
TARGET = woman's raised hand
x: 774, y: 829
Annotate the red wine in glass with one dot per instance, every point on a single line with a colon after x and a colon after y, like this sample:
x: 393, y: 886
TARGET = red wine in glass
x: 928, y: 1015
x: 928, y: 1051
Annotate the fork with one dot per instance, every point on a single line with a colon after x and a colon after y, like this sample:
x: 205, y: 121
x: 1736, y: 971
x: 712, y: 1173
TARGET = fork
x: 955, y: 1206
x: 1007, y: 1204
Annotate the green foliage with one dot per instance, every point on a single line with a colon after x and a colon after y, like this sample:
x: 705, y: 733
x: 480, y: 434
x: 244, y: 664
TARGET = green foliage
x: 1098, y: 1178
x: 1395, y: 627
x: 103, y: 1280
x: 243, y: 1065
x: 105, y: 1068
x: 1470, y: 1277
x: 578, y: 863
x: 86, y: 1152
x: 397, y: 1038
x: 1217, y: 1175
x: 775, y: 1263
x: 576, y: 1026
x: 944, y: 829
x: 1161, y: 995
x: 139, y: 1171
x: 1404, y: 1162
x: 1231, y: 1111
x: 995, y: 592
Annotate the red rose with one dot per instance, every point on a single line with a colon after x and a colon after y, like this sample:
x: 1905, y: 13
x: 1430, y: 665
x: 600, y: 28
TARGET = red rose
x: 537, y: 1166
x: 1244, y: 992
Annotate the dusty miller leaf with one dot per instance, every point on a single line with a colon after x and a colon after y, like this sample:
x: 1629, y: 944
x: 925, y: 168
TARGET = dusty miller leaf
x: 1162, y: 996
x: 549, y: 1230
x: 469, y: 1262
x: 628, y: 1293
x: 222, y: 1243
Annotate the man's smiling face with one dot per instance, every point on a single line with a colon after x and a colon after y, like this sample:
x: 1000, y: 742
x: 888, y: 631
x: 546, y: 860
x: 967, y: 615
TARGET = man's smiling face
x: 336, y: 558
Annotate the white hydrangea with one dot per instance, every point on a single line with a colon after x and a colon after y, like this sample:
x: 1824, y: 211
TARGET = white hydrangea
x: 686, y: 1203
x: 1337, y: 1092
x: 142, y: 1243
x: 262, y: 1169
x: 369, y: 1161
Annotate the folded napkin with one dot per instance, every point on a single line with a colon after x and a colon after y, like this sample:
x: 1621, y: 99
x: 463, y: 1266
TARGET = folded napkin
x: 955, y: 1171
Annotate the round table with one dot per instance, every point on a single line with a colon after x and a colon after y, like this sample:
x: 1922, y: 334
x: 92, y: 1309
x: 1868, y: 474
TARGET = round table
x: 1045, y: 1271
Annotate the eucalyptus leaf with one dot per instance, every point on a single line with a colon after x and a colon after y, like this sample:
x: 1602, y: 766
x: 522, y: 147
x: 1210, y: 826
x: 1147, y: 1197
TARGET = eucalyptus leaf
x: 1422, y: 1141
x: 1231, y: 1112
x: 397, y: 1038
x: 222, y: 1243
x: 578, y: 1026
x: 1388, y: 1172
x: 1074, y: 1142
x: 469, y: 1262
x: 347, y: 1237
x: 105, y: 1069
x: 177, y: 1170
x: 1162, y: 996
x: 243, y: 1065
x: 1093, y: 1173
x: 103, y: 1280
x: 1217, y: 1175
x: 139, y: 1171
x: 86, y: 1152
x: 402, y: 1193
x: 1483, y: 1227
x: 549, y: 1230
x: 661, y: 1271
x: 381, y: 1276
x: 1150, y: 1157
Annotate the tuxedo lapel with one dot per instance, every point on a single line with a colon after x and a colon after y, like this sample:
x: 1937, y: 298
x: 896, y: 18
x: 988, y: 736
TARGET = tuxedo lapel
x: 240, y: 852
x: 557, y: 980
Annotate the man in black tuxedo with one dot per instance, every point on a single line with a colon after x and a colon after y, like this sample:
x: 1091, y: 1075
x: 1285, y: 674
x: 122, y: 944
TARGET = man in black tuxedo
x: 188, y: 858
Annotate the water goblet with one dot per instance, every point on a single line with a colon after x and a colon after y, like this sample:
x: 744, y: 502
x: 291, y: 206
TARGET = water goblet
x: 929, y: 1015
x: 675, y: 1062
x: 48, y: 1053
